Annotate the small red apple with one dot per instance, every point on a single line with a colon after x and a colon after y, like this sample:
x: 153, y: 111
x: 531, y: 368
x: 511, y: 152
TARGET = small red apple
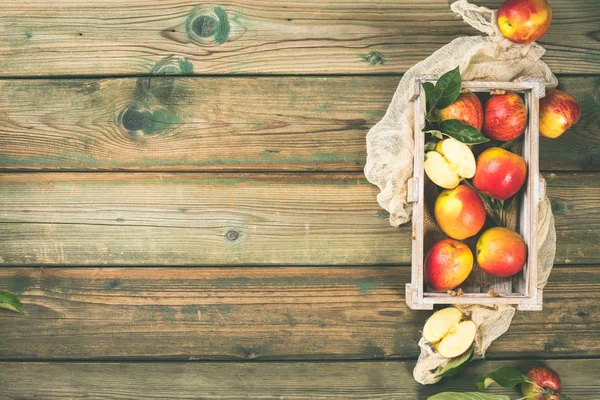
x: 499, y: 174
x: 447, y: 265
x: 558, y: 112
x: 501, y: 252
x: 459, y: 212
x: 466, y: 108
x: 524, y: 21
x: 505, y: 117
x: 546, y: 384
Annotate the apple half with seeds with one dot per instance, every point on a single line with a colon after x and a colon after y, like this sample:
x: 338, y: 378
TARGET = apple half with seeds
x: 449, y: 163
x: 449, y: 332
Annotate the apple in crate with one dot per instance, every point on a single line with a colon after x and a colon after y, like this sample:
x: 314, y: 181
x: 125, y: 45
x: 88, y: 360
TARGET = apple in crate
x: 466, y: 108
x: 505, y: 117
x: 447, y: 264
x: 449, y: 163
x: 459, y: 212
x: 500, y: 174
x: 450, y: 332
x: 547, y: 381
x: 558, y: 112
x: 501, y: 252
x: 524, y: 21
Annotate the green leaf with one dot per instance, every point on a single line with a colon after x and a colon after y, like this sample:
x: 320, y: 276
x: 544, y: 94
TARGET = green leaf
x: 507, y: 377
x: 186, y: 67
x: 428, y: 87
x: 462, y: 132
x: 508, y: 203
x: 429, y: 146
x: 10, y: 302
x: 468, y: 396
x: 456, y: 364
x: 446, y: 90
x: 435, y: 133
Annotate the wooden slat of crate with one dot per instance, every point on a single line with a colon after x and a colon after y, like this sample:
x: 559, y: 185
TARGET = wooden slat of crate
x: 223, y: 219
x: 285, y: 380
x: 228, y: 123
x: 266, y: 313
x: 63, y: 37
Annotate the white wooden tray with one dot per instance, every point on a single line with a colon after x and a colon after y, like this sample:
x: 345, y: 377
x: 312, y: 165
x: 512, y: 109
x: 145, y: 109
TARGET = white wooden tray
x: 521, y: 289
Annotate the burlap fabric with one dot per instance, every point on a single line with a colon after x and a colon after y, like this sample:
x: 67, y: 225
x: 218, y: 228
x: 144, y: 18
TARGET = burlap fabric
x: 390, y: 156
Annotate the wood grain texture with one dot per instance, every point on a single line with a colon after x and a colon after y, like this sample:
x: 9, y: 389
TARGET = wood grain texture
x: 243, y: 219
x: 67, y: 37
x: 316, y: 124
x: 358, y: 380
x: 267, y: 313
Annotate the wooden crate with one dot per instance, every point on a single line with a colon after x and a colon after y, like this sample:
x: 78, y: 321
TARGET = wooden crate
x: 521, y: 289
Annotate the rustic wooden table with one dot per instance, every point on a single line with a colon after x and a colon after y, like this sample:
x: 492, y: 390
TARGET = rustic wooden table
x: 184, y: 215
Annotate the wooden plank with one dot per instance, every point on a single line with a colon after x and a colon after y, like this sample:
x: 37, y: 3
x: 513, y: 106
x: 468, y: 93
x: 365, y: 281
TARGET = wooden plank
x: 124, y: 219
x: 234, y: 124
x: 63, y: 37
x: 356, y: 380
x: 267, y: 313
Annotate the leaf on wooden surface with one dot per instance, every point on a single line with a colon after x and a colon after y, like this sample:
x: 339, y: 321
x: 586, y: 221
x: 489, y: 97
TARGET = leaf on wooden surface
x: 456, y: 364
x: 374, y: 58
x: 186, y: 67
x: 468, y: 396
x: 462, y: 132
x: 11, y: 302
x: 446, y: 89
x: 507, y: 377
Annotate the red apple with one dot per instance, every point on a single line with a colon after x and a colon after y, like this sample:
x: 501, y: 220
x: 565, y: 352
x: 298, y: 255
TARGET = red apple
x: 466, y: 108
x: 501, y: 252
x: 558, y: 112
x: 499, y: 174
x: 447, y: 265
x: 459, y: 212
x: 524, y: 21
x: 546, y: 384
x: 505, y: 117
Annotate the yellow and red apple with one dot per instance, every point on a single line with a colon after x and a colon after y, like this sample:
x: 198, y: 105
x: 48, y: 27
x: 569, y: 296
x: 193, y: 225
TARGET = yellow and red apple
x: 466, y: 108
x: 543, y: 384
x: 501, y: 252
x: 558, y: 112
x: 500, y: 174
x: 505, y: 116
x: 459, y: 212
x: 449, y: 163
x: 447, y: 264
x: 524, y: 21
x: 450, y: 332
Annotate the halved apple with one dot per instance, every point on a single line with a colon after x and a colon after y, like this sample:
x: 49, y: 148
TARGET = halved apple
x: 449, y: 332
x: 449, y: 163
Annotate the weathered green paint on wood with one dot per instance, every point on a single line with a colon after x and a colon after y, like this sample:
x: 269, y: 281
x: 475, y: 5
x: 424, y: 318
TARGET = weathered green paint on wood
x: 170, y: 123
x: 253, y: 36
x: 267, y: 313
x: 298, y: 381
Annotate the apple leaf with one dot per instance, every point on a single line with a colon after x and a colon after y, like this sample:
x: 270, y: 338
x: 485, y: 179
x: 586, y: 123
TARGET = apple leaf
x: 468, y: 396
x: 428, y: 87
x: 10, y: 302
x: 435, y: 133
x: 429, y: 146
x: 446, y: 90
x: 507, y: 377
x: 456, y: 364
x: 508, y: 203
x: 462, y: 132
